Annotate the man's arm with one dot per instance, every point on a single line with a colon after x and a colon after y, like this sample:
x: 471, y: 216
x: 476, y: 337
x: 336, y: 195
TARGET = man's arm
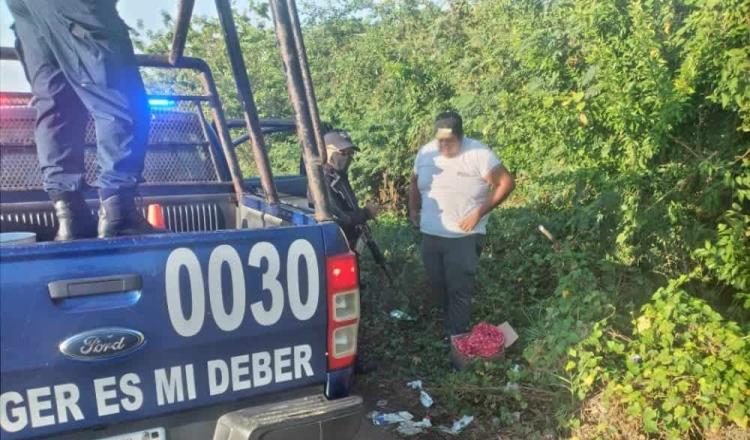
x: 415, y: 201
x: 502, y: 184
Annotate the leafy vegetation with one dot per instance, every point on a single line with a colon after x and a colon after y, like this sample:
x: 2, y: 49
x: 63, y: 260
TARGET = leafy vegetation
x: 627, y: 125
x: 685, y: 368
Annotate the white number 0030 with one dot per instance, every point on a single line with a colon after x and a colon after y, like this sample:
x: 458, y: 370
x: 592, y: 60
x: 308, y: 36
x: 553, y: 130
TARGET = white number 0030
x: 229, y: 320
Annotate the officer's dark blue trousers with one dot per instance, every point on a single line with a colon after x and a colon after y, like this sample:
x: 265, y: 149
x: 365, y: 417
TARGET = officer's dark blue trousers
x: 79, y: 60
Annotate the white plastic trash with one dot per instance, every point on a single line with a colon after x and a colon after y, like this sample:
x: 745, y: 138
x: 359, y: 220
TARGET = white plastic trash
x: 13, y: 238
x: 458, y: 425
x: 410, y: 427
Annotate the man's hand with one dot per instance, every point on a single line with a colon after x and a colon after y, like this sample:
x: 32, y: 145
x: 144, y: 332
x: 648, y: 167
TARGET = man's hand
x: 414, y: 217
x: 372, y: 209
x: 503, y: 184
x: 470, y: 221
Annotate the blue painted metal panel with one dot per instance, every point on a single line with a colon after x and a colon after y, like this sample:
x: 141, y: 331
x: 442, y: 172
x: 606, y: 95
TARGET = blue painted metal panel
x: 334, y: 239
x: 339, y: 382
x: 33, y: 325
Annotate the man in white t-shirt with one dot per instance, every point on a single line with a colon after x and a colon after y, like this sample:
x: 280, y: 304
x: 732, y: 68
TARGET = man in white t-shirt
x: 457, y: 181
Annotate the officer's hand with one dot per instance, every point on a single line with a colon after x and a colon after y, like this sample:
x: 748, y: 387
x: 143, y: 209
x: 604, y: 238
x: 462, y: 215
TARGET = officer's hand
x: 372, y: 208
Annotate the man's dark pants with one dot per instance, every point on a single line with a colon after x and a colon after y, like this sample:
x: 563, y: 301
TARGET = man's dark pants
x: 451, y: 265
x: 79, y: 59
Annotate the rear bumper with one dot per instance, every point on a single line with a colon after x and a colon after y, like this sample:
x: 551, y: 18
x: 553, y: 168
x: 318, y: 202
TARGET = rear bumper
x: 306, y: 418
x: 306, y: 409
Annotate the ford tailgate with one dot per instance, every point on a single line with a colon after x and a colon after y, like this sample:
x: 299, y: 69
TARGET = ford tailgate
x: 97, y: 332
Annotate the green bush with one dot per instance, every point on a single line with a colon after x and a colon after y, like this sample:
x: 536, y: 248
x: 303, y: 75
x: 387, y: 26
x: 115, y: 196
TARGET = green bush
x: 627, y: 126
x: 729, y: 257
x: 683, y: 372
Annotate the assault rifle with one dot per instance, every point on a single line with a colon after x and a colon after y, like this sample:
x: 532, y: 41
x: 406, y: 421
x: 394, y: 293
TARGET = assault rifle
x: 365, y: 237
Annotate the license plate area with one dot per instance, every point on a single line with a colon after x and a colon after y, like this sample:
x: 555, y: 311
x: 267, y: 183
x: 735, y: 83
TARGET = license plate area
x: 146, y: 434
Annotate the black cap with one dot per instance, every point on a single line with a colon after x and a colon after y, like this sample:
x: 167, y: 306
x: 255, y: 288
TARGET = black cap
x: 449, y: 123
x: 339, y: 140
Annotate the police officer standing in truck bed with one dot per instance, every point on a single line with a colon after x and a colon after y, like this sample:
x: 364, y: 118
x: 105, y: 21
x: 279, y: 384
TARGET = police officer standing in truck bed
x: 79, y: 59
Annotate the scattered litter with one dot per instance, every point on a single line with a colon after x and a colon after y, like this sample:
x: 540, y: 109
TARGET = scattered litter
x: 635, y: 358
x: 516, y: 368
x: 405, y: 420
x: 380, y: 418
x: 458, y: 425
x: 461, y: 423
x: 511, y: 386
x: 401, y: 315
x: 407, y: 426
x: 546, y: 233
x: 516, y: 416
x: 509, y: 334
x: 415, y: 384
x: 550, y: 237
x: 425, y: 399
x: 411, y: 427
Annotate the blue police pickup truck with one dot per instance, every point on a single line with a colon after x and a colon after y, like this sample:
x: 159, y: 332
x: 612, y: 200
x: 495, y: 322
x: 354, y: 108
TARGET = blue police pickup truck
x: 239, y: 323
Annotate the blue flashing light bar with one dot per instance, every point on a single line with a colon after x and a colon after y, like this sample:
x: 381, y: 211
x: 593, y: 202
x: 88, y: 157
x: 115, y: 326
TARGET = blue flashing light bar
x: 162, y: 103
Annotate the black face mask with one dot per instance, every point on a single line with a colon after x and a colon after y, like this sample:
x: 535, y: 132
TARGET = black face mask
x: 340, y: 162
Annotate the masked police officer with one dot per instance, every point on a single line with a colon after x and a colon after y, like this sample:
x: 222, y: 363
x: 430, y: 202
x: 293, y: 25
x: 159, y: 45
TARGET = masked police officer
x: 79, y: 59
x: 343, y: 202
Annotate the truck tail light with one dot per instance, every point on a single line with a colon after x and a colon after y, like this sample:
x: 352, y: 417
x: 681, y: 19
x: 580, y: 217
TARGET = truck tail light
x: 343, y: 309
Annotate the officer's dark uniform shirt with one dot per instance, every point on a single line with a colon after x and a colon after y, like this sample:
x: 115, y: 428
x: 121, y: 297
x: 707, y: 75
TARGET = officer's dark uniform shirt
x: 343, y: 203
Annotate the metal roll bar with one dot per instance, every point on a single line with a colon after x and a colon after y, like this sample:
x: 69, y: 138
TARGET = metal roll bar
x: 312, y: 101
x: 211, y: 97
x: 217, y: 111
x: 245, y: 94
x: 302, y: 107
x: 299, y: 85
x: 181, y: 27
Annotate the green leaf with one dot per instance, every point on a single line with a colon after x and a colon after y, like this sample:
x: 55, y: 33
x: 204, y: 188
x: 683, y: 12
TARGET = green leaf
x: 738, y: 414
x: 649, y: 420
x: 680, y: 411
x: 670, y: 402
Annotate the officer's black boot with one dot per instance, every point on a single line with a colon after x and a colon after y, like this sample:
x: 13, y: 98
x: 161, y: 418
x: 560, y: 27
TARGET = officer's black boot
x: 119, y: 216
x: 74, y: 217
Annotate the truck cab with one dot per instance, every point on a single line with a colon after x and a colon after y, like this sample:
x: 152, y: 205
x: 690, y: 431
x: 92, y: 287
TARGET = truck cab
x: 240, y: 322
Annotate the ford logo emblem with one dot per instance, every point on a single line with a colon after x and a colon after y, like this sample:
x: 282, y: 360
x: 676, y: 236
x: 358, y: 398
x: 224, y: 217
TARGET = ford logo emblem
x: 102, y: 343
